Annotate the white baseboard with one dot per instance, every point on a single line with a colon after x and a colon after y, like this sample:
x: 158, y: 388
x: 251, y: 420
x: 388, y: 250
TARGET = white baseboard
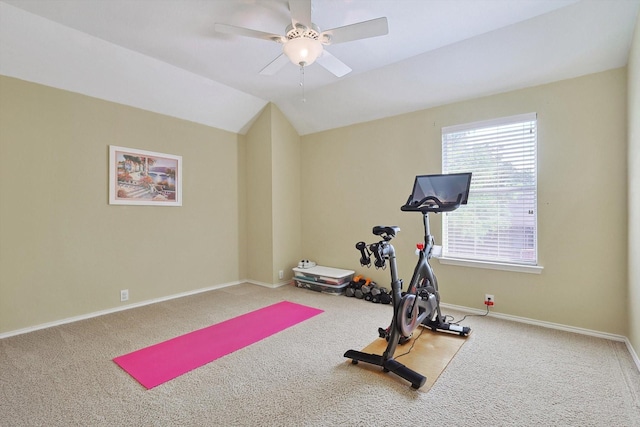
x: 114, y: 310
x: 268, y: 285
x: 634, y: 355
x: 551, y: 325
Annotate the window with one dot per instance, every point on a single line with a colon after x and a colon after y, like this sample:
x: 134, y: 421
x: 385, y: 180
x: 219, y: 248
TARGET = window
x: 499, y: 224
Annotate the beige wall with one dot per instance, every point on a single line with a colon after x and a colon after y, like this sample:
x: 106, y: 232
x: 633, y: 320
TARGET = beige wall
x: 273, y: 198
x: 359, y: 176
x: 64, y: 251
x: 634, y: 191
x: 259, y: 200
x: 243, y: 259
x: 287, y: 228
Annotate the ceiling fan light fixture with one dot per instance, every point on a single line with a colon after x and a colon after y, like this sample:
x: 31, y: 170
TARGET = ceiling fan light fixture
x: 302, y: 51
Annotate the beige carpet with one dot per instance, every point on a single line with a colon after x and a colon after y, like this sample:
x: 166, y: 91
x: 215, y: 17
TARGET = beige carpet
x: 427, y: 353
x: 505, y: 373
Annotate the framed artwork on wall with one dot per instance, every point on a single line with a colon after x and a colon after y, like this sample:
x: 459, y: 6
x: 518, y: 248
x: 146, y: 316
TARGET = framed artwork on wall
x: 138, y: 177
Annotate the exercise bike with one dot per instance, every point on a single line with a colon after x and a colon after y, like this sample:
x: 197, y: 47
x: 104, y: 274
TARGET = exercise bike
x: 420, y: 304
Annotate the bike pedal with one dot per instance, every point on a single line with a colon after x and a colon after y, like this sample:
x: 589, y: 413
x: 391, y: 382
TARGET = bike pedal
x: 404, y: 339
x: 384, y: 333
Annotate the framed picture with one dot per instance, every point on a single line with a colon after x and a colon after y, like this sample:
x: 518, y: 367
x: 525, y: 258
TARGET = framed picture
x: 138, y: 177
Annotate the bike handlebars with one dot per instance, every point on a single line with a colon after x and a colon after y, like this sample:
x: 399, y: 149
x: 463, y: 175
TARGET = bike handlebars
x: 430, y: 204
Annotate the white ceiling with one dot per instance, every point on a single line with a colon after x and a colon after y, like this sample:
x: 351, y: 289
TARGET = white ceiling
x: 164, y: 55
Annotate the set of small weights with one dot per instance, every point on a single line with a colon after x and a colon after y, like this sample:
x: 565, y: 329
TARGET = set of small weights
x: 364, y: 288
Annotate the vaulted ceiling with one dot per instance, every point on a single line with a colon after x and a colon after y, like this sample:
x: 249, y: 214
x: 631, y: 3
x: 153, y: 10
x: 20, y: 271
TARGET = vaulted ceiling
x: 165, y: 56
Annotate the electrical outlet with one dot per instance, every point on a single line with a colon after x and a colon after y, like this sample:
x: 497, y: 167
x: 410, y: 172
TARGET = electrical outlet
x: 280, y: 274
x: 124, y: 295
x: 489, y: 300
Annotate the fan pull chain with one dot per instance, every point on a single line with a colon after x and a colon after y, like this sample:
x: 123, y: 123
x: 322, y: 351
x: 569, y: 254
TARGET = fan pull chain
x: 304, y: 99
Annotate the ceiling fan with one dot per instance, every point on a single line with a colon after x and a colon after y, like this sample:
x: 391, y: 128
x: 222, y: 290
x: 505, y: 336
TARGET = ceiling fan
x: 303, y: 42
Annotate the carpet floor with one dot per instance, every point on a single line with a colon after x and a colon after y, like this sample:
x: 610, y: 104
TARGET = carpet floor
x: 505, y: 373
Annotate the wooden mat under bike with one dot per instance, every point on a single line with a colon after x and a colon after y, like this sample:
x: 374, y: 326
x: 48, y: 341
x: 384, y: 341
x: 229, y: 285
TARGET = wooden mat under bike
x: 430, y: 355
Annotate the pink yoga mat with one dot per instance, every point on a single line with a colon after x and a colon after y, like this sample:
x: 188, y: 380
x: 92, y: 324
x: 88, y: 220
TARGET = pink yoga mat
x: 159, y: 363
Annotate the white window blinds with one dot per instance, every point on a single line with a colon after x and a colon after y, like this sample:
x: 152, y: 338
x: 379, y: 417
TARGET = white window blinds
x: 499, y: 224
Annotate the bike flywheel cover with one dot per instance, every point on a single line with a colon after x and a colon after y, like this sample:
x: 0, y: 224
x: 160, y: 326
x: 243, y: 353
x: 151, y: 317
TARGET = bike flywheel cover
x: 408, y: 315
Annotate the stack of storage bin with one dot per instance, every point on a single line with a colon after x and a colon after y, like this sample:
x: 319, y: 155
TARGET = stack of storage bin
x: 323, y: 279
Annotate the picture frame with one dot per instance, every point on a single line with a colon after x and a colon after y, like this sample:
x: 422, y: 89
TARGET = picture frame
x: 140, y: 177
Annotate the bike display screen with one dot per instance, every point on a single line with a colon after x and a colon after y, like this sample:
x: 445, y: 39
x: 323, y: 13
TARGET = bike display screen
x: 446, y: 188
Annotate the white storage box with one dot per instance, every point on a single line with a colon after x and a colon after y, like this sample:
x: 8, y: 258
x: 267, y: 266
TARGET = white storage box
x: 321, y: 287
x: 328, y: 275
x: 323, y: 279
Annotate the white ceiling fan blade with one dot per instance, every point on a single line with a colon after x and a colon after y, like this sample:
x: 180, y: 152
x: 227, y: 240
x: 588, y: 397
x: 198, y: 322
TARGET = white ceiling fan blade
x: 300, y: 12
x: 333, y: 64
x: 275, y: 65
x: 247, y: 32
x: 362, y: 30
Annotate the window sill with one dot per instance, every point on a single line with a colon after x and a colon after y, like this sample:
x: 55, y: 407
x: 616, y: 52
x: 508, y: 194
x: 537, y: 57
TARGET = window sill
x: 532, y: 269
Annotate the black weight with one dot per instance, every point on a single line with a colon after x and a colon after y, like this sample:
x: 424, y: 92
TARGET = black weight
x: 365, y: 258
x: 385, y: 298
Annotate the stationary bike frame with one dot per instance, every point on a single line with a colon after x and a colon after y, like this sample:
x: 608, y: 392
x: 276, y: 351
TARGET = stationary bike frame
x: 419, y: 305
x: 424, y: 286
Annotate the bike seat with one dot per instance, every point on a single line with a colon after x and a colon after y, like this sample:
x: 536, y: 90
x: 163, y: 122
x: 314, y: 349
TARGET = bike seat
x: 381, y: 230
